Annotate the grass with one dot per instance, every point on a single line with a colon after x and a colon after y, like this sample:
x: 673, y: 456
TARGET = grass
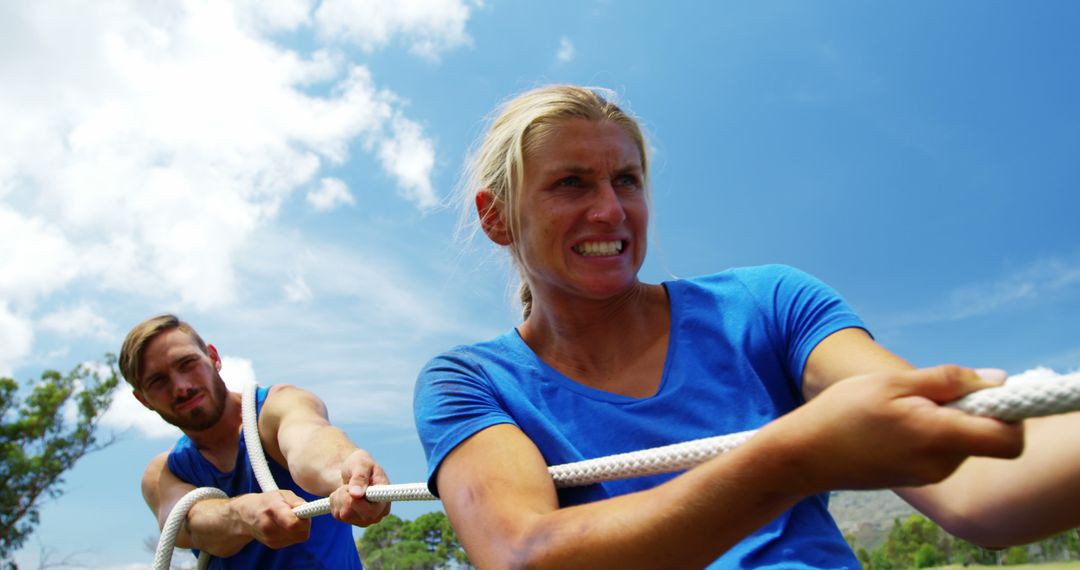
x: 1073, y: 565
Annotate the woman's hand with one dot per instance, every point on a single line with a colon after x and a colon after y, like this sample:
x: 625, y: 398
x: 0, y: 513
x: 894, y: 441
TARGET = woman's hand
x: 890, y: 430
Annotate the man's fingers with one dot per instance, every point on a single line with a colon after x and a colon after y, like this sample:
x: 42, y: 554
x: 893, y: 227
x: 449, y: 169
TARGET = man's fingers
x: 291, y: 499
x: 357, y: 471
x: 378, y: 476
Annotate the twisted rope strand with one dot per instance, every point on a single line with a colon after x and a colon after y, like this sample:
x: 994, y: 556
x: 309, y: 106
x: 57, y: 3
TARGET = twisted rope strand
x: 251, y: 437
x: 176, y: 519
x: 1012, y: 401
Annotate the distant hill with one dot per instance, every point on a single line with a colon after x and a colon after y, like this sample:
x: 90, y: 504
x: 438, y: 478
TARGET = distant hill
x: 867, y: 515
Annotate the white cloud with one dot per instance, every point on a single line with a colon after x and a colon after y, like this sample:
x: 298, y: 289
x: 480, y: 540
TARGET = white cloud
x: 16, y: 338
x: 566, y: 50
x: 236, y: 372
x: 127, y: 413
x: 330, y: 194
x: 410, y: 157
x: 429, y: 27
x: 275, y: 15
x: 297, y: 289
x: 1039, y: 373
x: 78, y: 321
x: 144, y: 143
x: 35, y: 256
x: 1039, y: 279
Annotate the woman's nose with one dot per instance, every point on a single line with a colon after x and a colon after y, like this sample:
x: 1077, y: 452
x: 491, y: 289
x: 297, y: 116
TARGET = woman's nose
x: 606, y: 208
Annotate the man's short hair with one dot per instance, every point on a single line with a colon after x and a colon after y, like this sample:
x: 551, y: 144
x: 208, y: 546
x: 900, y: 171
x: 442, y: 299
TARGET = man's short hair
x: 132, y: 350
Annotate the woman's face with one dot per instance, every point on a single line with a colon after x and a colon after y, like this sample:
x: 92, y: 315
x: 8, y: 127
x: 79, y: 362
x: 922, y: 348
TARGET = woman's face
x: 583, y: 211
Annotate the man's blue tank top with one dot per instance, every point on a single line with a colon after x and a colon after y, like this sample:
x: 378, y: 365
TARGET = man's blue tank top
x: 331, y: 542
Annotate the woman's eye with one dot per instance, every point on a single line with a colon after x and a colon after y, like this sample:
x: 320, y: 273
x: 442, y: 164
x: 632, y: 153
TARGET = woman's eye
x: 569, y: 181
x: 626, y: 180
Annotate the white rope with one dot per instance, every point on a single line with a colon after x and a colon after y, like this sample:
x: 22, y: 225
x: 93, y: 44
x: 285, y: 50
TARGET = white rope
x: 1010, y: 402
x: 1020, y: 399
x: 176, y: 519
x: 251, y: 437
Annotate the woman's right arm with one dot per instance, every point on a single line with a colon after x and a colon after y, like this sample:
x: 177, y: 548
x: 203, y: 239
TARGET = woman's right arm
x: 497, y: 491
x: 870, y: 432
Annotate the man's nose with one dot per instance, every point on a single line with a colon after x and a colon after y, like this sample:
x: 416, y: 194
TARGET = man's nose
x: 181, y: 385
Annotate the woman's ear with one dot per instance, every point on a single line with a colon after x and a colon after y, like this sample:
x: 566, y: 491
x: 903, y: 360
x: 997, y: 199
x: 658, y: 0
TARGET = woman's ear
x: 492, y: 217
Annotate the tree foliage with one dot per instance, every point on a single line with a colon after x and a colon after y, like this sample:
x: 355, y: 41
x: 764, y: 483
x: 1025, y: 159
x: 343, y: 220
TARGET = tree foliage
x: 429, y: 542
x: 42, y: 435
x: 918, y: 542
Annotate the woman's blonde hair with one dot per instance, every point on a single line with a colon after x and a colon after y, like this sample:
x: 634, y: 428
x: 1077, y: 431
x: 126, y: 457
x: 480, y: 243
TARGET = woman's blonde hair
x: 518, y: 127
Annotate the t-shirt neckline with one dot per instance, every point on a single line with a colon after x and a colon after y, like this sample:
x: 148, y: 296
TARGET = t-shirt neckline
x: 550, y: 373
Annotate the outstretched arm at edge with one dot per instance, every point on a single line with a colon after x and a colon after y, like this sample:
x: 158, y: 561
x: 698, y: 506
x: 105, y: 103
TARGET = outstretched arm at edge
x: 997, y: 503
x: 988, y: 501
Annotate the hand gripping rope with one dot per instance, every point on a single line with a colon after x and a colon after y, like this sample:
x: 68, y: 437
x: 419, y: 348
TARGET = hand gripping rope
x: 1015, y: 400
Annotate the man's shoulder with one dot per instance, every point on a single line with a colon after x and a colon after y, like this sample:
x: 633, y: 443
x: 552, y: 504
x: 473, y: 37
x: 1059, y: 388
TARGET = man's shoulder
x: 159, y: 461
x: 289, y: 394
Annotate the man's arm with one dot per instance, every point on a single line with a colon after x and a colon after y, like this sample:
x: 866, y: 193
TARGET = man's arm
x: 321, y: 458
x: 223, y: 526
x: 988, y: 501
x: 500, y: 498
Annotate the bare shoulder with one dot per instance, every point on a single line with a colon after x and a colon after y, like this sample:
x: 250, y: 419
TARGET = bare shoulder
x: 286, y: 409
x: 160, y: 487
x: 289, y: 396
x: 152, y: 475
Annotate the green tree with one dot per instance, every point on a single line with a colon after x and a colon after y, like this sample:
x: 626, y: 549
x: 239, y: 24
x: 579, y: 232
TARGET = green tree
x: 427, y: 543
x: 915, y: 543
x: 1016, y: 555
x: 433, y: 530
x: 37, y: 443
x: 864, y: 557
x: 966, y: 553
x: 927, y: 556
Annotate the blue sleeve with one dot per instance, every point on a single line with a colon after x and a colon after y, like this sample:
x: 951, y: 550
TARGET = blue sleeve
x: 452, y: 401
x: 800, y: 311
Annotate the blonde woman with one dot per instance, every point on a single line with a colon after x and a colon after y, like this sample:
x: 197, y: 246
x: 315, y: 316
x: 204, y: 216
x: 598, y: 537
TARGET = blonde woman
x: 603, y: 363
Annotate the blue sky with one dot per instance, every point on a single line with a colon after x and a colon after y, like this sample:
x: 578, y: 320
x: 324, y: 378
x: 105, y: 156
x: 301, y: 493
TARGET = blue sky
x: 278, y: 173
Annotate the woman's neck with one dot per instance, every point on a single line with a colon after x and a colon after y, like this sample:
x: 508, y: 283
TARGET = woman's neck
x: 617, y: 345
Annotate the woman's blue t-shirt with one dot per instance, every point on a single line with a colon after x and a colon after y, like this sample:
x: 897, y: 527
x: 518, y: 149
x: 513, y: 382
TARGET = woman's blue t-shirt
x: 738, y: 344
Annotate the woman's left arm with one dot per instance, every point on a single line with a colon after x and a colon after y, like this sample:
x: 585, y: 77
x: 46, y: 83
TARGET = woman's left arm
x: 992, y: 502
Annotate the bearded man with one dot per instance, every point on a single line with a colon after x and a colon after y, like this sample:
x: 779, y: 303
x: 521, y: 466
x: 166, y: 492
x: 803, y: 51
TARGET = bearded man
x: 177, y: 375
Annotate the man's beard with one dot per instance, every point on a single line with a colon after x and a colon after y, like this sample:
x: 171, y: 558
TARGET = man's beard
x: 200, y: 419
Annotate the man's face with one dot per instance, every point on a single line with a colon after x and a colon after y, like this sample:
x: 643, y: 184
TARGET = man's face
x: 181, y: 382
